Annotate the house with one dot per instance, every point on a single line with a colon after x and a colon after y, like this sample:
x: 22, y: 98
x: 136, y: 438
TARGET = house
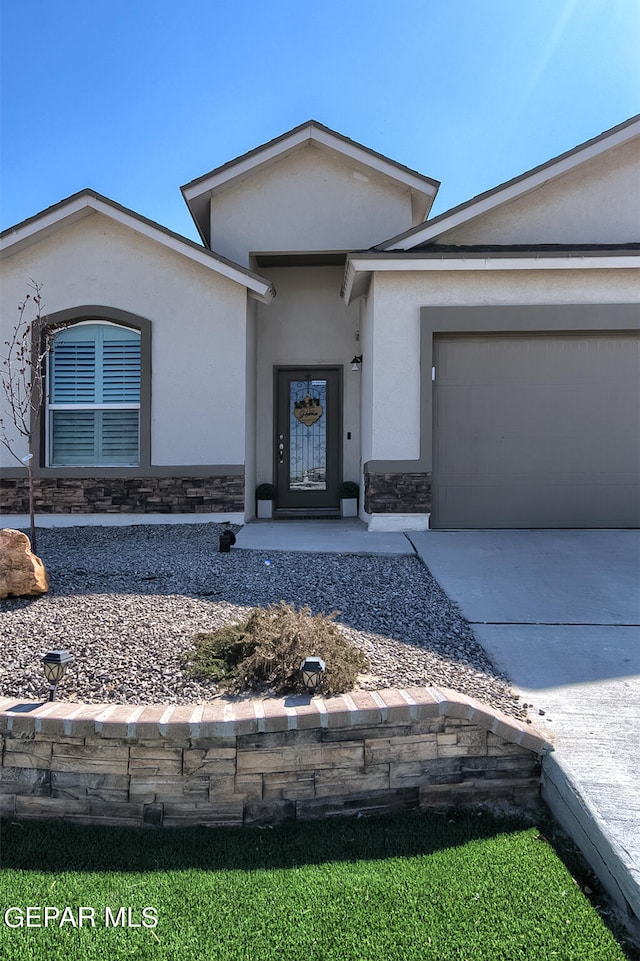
x: 476, y: 369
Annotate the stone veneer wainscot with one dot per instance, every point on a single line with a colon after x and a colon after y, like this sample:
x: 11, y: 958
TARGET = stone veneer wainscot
x: 135, y: 495
x: 397, y: 493
x: 262, y: 761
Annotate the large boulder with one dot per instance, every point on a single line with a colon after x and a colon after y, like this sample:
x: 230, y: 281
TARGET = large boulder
x: 22, y: 574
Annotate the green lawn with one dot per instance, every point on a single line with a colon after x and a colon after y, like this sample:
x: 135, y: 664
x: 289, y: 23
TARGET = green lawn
x: 438, y: 886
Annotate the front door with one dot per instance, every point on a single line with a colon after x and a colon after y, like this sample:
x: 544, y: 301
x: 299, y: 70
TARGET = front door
x: 307, y: 439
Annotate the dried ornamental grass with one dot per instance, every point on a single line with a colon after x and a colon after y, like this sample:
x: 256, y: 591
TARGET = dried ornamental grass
x: 264, y: 652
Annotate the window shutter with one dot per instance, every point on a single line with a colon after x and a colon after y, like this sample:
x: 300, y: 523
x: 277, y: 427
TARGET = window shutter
x: 119, y: 437
x: 74, y: 373
x: 96, y: 368
x: 73, y: 437
x: 121, y: 371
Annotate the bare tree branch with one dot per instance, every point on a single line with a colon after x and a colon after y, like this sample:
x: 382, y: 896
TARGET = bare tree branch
x: 22, y: 379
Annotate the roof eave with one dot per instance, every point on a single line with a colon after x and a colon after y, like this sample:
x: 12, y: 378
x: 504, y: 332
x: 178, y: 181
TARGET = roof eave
x: 197, y: 193
x: 311, y: 130
x: 512, y: 189
x: 355, y: 283
x: 88, y: 202
x: 360, y: 267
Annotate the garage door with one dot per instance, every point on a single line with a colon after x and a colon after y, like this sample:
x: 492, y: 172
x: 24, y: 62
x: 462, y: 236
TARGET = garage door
x: 536, y: 431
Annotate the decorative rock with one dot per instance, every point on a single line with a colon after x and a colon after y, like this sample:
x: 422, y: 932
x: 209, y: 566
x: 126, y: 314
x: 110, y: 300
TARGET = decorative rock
x: 127, y: 602
x: 22, y: 573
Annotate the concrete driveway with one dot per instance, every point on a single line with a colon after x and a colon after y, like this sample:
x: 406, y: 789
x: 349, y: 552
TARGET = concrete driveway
x: 559, y: 613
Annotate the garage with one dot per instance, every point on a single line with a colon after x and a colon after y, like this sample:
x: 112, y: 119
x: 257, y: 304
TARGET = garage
x: 536, y: 430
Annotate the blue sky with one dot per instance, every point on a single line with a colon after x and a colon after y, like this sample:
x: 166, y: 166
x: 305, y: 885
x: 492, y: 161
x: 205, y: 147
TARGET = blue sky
x: 136, y: 97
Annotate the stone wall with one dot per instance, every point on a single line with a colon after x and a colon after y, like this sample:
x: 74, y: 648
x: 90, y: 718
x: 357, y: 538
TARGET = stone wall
x: 397, y: 493
x: 261, y: 761
x: 125, y: 495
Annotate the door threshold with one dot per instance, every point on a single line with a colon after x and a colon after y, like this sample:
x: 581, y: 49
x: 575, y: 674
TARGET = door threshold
x: 304, y: 514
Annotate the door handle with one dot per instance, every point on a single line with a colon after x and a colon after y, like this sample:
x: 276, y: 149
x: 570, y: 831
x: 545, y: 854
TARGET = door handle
x: 281, y: 453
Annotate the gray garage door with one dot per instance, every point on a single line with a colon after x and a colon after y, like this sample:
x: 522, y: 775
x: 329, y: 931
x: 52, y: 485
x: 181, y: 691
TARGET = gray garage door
x: 536, y: 431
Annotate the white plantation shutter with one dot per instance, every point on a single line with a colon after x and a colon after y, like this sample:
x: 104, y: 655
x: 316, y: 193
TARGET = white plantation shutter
x: 94, y: 400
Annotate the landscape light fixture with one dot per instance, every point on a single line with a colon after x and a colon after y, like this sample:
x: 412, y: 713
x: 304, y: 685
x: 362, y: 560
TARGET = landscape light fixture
x: 356, y: 362
x: 312, y: 670
x: 227, y: 540
x: 55, y: 665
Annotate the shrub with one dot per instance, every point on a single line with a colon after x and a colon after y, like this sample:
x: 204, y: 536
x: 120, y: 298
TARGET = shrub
x: 264, y: 652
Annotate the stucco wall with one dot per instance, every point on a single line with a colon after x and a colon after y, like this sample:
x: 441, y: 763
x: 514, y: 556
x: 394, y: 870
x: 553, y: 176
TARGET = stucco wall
x: 198, y: 328
x: 251, y: 412
x: 307, y: 324
x: 397, y: 300
x: 367, y: 340
x: 307, y: 201
x: 599, y: 202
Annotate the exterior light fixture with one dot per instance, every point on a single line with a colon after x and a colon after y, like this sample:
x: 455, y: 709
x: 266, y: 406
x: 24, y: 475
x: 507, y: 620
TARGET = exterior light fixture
x: 227, y: 540
x: 55, y: 665
x: 356, y: 362
x: 312, y: 669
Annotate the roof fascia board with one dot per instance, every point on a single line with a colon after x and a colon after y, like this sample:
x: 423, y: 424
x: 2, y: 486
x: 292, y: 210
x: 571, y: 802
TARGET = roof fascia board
x: 488, y: 262
x: 83, y: 205
x: 359, y: 270
x: 308, y: 133
x: 74, y: 209
x: 513, y: 189
x: 244, y: 165
x: 379, y: 163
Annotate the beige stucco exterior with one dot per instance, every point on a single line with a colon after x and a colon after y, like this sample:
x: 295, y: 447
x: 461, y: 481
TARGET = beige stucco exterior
x: 598, y: 202
x: 562, y: 237
x: 198, y: 329
x: 396, y: 303
x: 310, y: 200
x: 307, y: 320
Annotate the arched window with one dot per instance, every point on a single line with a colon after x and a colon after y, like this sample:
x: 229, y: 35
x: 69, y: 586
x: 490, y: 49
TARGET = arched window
x: 93, y: 402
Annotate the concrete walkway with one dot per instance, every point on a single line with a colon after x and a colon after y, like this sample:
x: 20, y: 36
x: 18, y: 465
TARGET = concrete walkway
x: 559, y: 613
x: 347, y: 536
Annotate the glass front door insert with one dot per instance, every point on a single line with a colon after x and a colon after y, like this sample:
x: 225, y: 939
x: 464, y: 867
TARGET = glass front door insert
x: 307, y: 432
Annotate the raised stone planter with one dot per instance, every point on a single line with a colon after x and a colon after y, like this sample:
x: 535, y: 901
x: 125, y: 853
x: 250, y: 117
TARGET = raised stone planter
x: 262, y: 761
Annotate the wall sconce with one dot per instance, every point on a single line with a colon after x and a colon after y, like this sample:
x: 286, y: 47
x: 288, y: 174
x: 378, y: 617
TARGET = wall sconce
x: 312, y: 670
x: 356, y: 363
x: 55, y: 665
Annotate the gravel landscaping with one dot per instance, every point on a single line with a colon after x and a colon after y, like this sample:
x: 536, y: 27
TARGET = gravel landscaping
x: 127, y: 601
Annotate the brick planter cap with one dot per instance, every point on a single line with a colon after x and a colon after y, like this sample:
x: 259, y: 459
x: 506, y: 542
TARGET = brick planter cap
x: 227, y: 718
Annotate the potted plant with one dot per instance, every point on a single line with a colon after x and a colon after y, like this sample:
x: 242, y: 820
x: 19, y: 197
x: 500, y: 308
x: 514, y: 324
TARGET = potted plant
x: 265, y: 496
x: 348, y: 493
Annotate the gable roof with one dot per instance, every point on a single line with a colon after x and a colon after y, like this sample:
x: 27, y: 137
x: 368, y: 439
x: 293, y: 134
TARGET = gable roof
x: 87, y: 202
x: 197, y: 192
x: 517, y: 187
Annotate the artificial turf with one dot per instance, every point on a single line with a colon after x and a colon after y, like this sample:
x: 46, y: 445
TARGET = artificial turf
x: 424, y: 886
